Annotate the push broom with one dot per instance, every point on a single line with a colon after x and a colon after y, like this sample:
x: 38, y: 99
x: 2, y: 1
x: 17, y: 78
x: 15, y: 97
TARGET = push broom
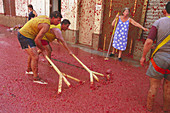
x: 106, y: 58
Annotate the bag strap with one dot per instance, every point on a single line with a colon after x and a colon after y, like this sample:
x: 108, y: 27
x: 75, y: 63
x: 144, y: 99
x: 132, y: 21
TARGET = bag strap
x: 158, y: 69
x: 161, y: 44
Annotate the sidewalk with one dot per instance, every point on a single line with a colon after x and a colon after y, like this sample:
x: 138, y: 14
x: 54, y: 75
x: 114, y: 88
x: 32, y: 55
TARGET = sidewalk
x: 103, y: 54
x: 125, y: 93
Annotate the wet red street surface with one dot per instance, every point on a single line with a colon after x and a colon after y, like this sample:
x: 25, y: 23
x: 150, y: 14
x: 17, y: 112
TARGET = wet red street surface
x: 125, y: 93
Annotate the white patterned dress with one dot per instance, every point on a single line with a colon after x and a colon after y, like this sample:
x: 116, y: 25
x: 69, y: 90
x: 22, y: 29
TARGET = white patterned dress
x: 121, y: 35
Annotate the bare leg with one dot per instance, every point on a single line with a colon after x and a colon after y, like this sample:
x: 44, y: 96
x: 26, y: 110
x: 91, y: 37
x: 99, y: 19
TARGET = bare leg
x: 49, y: 50
x: 29, y: 64
x: 39, y: 51
x: 113, y: 52
x: 166, y: 96
x: 154, y: 85
x: 34, y: 60
x: 120, y: 54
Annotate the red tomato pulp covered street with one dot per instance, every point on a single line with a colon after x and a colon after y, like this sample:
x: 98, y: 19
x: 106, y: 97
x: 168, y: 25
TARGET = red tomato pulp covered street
x: 125, y: 92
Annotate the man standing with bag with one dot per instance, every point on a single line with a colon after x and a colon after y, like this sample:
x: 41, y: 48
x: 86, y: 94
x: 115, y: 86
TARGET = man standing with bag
x: 159, y: 67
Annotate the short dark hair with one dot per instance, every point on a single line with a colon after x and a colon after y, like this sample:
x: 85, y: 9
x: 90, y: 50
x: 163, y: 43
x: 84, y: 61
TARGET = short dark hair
x: 30, y: 6
x: 55, y: 14
x: 126, y: 8
x: 167, y: 7
x: 65, y: 21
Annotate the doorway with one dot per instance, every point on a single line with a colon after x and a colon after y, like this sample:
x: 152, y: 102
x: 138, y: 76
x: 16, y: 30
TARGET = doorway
x: 86, y: 22
x: 55, y: 5
x: 112, y: 7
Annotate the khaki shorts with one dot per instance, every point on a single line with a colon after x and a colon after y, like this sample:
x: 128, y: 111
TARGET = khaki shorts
x: 162, y: 63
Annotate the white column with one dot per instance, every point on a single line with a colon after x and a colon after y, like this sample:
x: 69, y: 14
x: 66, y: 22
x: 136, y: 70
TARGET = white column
x: 1, y: 7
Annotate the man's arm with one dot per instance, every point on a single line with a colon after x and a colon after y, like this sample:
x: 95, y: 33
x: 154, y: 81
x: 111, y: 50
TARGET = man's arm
x: 148, y: 44
x: 147, y: 47
x: 59, y: 36
x: 43, y: 28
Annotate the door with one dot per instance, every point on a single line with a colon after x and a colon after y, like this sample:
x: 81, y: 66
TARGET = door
x: 112, y: 7
x: 55, y: 5
x: 86, y: 21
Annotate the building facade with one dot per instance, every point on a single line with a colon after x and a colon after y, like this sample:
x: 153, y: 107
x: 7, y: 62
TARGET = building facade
x: 90, y: 19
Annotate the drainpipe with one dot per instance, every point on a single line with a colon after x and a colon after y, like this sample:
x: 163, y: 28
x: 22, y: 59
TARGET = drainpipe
x: 45, y: 6
x: 9, y: 7
x: 145, y: 18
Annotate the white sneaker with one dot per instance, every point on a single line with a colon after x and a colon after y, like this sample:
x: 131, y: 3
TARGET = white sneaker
x: 39, y: 81
x: 29, y: 72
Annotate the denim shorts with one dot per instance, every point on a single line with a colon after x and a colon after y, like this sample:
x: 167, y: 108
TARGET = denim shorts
x: 25, y: 42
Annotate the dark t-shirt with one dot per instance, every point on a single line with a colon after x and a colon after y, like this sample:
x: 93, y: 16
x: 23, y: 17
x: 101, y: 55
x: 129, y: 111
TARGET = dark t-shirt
x: 31, y: 15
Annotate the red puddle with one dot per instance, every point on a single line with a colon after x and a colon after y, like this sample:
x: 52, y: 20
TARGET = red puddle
x: 124, y: 93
